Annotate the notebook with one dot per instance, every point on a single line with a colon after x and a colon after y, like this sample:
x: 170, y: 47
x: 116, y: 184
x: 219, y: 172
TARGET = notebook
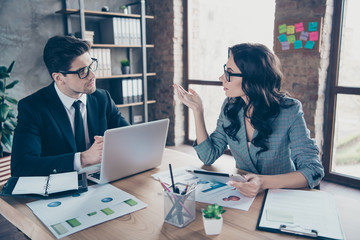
x: 130, y: 150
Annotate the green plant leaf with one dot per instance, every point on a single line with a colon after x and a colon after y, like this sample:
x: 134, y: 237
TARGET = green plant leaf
x: 2, y: 86
x: 3, y: 69
x: 12, y: 84
x: 6, y: 139
x: 4, y: 110
x: 11, y: 67
x: 9, y: 126
x: 4, y: 75
x: 11, y: 100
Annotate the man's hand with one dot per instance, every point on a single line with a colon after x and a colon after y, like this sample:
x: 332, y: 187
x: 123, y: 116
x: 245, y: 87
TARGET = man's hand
x: 94, y: 154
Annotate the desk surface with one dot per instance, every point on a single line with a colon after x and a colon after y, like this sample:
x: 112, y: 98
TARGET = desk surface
x: 149, y: 223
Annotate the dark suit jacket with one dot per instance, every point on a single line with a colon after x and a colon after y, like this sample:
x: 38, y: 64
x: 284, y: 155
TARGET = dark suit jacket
x: 43, y: 139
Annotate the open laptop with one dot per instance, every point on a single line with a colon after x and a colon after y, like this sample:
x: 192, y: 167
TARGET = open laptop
x: 130, y: 150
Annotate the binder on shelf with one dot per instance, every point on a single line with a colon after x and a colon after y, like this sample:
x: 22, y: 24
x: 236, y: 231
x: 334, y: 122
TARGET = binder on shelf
x: 124, y: 91
x: 309, y: 213
x: 135, y: 89
x: 130, y: 91
x: 109, y: 30
x: 140, y: 89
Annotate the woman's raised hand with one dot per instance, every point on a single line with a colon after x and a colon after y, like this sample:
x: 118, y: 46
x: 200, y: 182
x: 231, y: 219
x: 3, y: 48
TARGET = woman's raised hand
x: 191, y: 99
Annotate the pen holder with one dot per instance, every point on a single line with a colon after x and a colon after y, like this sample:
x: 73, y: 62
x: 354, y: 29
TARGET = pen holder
x: 179, y: 210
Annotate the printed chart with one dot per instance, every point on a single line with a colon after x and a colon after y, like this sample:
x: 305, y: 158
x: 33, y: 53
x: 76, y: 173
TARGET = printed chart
x: 207, y: 192
x: 65, y: 216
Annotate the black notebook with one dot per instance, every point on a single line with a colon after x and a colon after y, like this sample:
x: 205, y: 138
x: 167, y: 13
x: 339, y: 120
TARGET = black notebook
x: 54, y: 185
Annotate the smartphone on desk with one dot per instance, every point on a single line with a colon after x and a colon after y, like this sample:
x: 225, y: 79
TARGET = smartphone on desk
x: 216, y: 176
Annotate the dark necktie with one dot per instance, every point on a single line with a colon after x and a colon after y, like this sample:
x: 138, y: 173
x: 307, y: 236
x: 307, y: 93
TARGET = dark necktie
x: 79, y: 128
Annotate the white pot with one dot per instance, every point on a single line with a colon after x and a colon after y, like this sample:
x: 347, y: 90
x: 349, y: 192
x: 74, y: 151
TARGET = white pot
x: 212, y: 226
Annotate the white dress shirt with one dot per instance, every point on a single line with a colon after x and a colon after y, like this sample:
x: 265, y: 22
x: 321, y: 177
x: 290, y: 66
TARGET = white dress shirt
x: 70, y: 110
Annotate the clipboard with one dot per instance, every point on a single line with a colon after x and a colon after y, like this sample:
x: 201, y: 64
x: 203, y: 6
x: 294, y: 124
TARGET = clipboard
x: 11, y: 183
x: 281, y: 222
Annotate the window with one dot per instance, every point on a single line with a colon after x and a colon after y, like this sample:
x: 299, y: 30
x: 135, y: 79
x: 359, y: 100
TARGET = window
x: 342, y: 149
x: 212, y: 27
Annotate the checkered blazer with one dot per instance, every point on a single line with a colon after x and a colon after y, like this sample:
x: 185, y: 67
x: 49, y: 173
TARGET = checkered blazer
x: 290, y: 146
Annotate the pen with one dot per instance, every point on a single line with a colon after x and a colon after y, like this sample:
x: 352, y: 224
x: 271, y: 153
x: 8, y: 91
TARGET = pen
x: 175, y: 189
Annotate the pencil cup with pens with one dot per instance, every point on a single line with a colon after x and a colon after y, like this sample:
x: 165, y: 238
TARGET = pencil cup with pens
x: 179, y: 209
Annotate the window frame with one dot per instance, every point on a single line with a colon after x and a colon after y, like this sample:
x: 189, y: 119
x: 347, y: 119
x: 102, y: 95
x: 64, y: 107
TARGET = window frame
x: 334, y: 90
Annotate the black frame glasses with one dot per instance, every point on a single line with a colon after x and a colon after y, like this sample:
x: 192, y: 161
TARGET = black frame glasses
x: 229, y: 74
x: 84, y: 72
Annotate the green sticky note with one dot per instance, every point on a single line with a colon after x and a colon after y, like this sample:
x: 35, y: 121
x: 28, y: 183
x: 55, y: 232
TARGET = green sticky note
x: 107, y: 211
x: 59, y: 228
x: 297, y: 44
x: 73, y: 222
x: 282, y: 28
x: 291, y: 38
x: 92, y: 214
x: 131, y: 202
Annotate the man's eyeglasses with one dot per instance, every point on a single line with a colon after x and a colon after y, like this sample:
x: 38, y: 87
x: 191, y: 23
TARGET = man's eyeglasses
x: 229, y: 74
x: 84, y: 72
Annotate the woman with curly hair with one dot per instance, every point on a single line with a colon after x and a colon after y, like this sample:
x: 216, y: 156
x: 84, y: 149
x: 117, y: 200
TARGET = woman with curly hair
x: 263, y: 127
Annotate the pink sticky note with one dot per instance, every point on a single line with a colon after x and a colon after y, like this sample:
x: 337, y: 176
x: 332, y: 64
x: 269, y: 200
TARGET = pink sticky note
x: 299, y: 27
x: 314, y: 36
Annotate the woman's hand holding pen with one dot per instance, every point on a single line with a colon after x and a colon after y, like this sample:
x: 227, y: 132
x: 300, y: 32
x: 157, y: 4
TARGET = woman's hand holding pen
x: 191, y: 99
x: 94, y: 154
x: 250, y: 188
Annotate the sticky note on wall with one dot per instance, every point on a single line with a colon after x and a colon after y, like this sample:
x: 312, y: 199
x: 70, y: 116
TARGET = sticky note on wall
x: 314, y: 36
x: 290, y: 29
x: 309, y: 45
x: 313, y: 26
x: 282, y: 38
x: 297, y: 44
x: 299, y: 27
x: 282, y: 28
x: 291, y: 38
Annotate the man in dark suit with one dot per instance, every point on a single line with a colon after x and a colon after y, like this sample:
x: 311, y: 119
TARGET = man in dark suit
x: 48, y: 138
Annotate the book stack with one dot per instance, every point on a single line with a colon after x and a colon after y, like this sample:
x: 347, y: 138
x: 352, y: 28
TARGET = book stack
x: 103, y: 56
x: 121, y: 31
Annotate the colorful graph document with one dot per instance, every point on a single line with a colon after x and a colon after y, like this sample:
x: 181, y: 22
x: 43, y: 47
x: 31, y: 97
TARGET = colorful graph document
x: 207, y: 191
x: 65, y: 216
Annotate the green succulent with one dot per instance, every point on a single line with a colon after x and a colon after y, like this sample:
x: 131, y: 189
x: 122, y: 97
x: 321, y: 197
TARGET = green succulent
x: 7, y: 113
x: 213, y: 211
x: 125, y: 62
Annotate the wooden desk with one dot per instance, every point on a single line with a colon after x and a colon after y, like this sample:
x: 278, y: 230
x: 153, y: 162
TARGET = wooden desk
x: 149, y: 223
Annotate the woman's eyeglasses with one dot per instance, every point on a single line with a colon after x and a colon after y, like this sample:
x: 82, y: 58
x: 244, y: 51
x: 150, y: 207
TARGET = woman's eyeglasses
x: 229, y: 74
x: 84, y: 72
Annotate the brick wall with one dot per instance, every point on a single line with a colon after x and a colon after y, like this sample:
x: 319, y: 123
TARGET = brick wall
x: 306, y: 73
x: 166, y: 59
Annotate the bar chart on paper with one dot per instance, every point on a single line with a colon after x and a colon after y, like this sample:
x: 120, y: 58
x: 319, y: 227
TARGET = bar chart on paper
x: 65, y: 216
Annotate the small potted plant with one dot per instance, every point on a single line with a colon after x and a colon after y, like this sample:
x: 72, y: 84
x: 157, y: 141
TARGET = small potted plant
x: 212, y: 219
x: 124, y: 9
x: 125, y: 66
x: 8, y: 117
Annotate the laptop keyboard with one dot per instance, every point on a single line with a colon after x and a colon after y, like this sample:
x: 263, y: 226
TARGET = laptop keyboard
x: 95, y: 175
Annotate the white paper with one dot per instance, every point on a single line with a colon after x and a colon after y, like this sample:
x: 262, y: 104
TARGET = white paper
x: 63, y: 182
x: 307, y: 210
x: 65, y: 216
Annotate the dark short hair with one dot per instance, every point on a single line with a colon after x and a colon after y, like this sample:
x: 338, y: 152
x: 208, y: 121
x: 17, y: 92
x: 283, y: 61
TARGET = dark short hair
x: 60, y: 52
